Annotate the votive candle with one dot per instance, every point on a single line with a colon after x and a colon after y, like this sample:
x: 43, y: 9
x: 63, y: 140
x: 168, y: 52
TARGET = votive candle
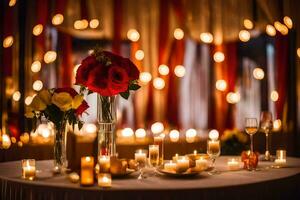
x: 87, y: 171
x: 28, y: 169
x: 182, y: 164
x: 280, y: 157
x: 104, y: 164
x: 201, y: 163
x: 233, y: 164
x: 170, y: 166
x: 104, y: 180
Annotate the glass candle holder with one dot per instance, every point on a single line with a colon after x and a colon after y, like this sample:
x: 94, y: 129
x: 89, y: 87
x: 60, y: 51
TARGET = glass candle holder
x: 104, y: 164
x: 154, y: 155
x: 170, y: 166
x: 140, y: 157
x: 280, y: 157
x: 28, y: 169
x: 233, y: 164
x: 104, y: 180
x: 87, y: 171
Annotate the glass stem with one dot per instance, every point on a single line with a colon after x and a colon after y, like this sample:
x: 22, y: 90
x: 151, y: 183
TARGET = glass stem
x: 251, y: 140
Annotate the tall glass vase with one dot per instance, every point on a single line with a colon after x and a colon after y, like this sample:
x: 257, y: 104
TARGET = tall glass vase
x: 107, y: 117
x: 60, y: 148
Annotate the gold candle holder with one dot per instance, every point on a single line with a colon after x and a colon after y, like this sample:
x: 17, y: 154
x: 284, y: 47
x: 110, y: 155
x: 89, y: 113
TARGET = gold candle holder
x: 28, y: 169
x: 104, y: 164
x: 104, y: 180
x: 87, y: 171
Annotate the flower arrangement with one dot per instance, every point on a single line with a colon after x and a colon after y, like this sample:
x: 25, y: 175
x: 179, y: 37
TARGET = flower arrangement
x: 233, y: 142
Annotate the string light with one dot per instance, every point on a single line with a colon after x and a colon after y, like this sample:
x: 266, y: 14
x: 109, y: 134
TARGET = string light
x: 8, y: 41
x: 12, y: 3
x: 133, y: 35
x: 258, y: 73
x: 277, y: 125
x: 163, y: 70
x: 94, y: 23
x: 274, y: 96
x: 157, y: 127
x: 221, y: 85
x: 271, y: 31
x: 16, y: 96
x: 233, y: 97
x: 244, y: 35
x: 50, y: 56
x: 179, y: 71
x: 248, y: 24
x: 159, y: 83
x: 288, y: 22
x: 145, y: 77
x: 127, y: 132
x: 219, y: 57
x: 174, y: 135
x: 178, y: 34
x: 206, y: 37
x: 57, y: 19
x: 36, y: 66
x: 81, y: 24
x: 139, y: 54
x: 37, y: 29
x: 28, y: 100
x: 37, y: 85
x: 140, y: 133
x: 281, y: 28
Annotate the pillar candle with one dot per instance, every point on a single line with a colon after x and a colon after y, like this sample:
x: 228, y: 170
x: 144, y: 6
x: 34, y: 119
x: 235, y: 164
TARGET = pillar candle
x: 87, y: 171
x: 104, y: 164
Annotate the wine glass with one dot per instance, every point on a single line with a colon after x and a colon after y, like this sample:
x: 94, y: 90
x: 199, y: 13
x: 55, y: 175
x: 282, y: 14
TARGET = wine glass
x: 266, y: 125
x: 213, y: 151
x: 140, y: 157
x: 251, y: 127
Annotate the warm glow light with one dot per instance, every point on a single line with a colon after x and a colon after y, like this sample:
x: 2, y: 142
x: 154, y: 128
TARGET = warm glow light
x: 25, y: 138
x: 133, y: 35
x: 16, y: 96
x: 219, y: 57
x: 274, y: 95
x: 57, y: 19
x: 140, y: 133
x: 258, y: 73
x: 13, y: 140
x: 45, y: 132
x: 90, y: 128
x: 94, y: 23
x: 277, y: 125
x: 37, y: 85
x: 145, y: 77
x: 76, y: 68
x: 36, y: 66
x: 20, y: 143
x: 271, y: 31
x: 288, y: 22
x: 6, y: 143
x: 190, y: 135
x: 174, y: 135
x: 281, y: 28
x: 213, y: 134
x: 81, y: 24
x: 28, y: 100
x: 50, y: 56
x: 206, y: 37
x: 221, y: 85
x: 157, y: 128
x: 233, y: 97
x: 179, y: 71
x: 244, y: 35
x: 127, y: 132
x: 37, y: 29
x: 298, y: 52
x: 163, y: 69
x: 248, y: 24
x: 12, y: 3
x: 159, y: 83
x: 8, y: 41
x: 277, y: 25
x: 178, y: 34
x: 139, y: 54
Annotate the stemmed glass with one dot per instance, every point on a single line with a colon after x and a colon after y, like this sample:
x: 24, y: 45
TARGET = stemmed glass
x: 213, y: 151
x: 251, y: 127
x: 141, y: 160
x: 266, y: 125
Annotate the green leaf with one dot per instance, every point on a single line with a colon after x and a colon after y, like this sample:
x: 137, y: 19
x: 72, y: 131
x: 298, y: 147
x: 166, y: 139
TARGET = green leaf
x: 134, y: 87
x: 125, y: 95
x: 80, y: 125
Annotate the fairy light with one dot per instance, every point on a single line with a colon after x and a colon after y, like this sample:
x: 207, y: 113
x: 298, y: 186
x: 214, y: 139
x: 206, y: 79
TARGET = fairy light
x: 37, y: 85
x: 258, y: 73
x: 50, y: 56
x: 145, y: 77
x: 157, y: 128
x: 12, y: 3
x: 28, y: 100
x: 139, y: 54
x: 140, y: 133
x: 213, y: 134
x: 37, y: 29
x: 163, y: 70
x: 248, y: 24
x: 244, y: 35
x: 274, y: 95
x: 219, y: 57
x: 179, y: 71
x: 271, y: 31
x: 288, y: 22
x: 94, y: 23
x: 57, y: 19
x: 190, y: 135
x: 36, y: 66
x: 16, y: 96
x: 233, y: 97
x: 127, y: 132
x: 178, y: 34
x: 159, y: 83
x: 221, y: 85
x: 277, y: 125
x: 133, y: 35
x: 8, y: 41
x: 81, y: 24
x: 174, y: 135
x: 281, y: 28
x: 206, y: 37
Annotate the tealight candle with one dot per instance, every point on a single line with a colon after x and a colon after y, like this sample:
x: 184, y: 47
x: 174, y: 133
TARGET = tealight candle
x: 170, y: 166
x: 140, y: 157
x: 74, y: 177
x: 28, y: 169
x: 154, y: 154
x: 175, y: 158
x: 182, y: 164
x: 233, y: 164
x: 201, y: 163
x: 195, y: 152
x: 104, y: 180
x: 87, y: 171
x: 104, y: 164
x: 280, y: 157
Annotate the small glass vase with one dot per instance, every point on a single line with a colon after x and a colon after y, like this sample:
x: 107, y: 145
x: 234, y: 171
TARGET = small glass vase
x: 107, y: 117
x: 60, y: 148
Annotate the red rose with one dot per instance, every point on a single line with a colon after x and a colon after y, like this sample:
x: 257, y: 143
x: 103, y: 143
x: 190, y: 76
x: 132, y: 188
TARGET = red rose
x: 84, y: 69
x: 98, y: 81
x: 68, y: 90
x: 118, y: 80
x: 81, y: 108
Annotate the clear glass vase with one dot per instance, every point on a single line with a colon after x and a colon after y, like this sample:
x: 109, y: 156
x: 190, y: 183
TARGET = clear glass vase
x: 107, y: 117
x: 60, y: 148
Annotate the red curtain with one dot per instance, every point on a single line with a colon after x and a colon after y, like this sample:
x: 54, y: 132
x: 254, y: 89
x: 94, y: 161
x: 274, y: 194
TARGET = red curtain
x: 117, y: 9
x: 66, y: 68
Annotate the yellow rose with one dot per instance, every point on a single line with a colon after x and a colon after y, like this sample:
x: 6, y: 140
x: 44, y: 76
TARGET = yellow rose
x: 62, y: 100
x: 37, y: 104
x: 45, y: 96
x: 77, y: 101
